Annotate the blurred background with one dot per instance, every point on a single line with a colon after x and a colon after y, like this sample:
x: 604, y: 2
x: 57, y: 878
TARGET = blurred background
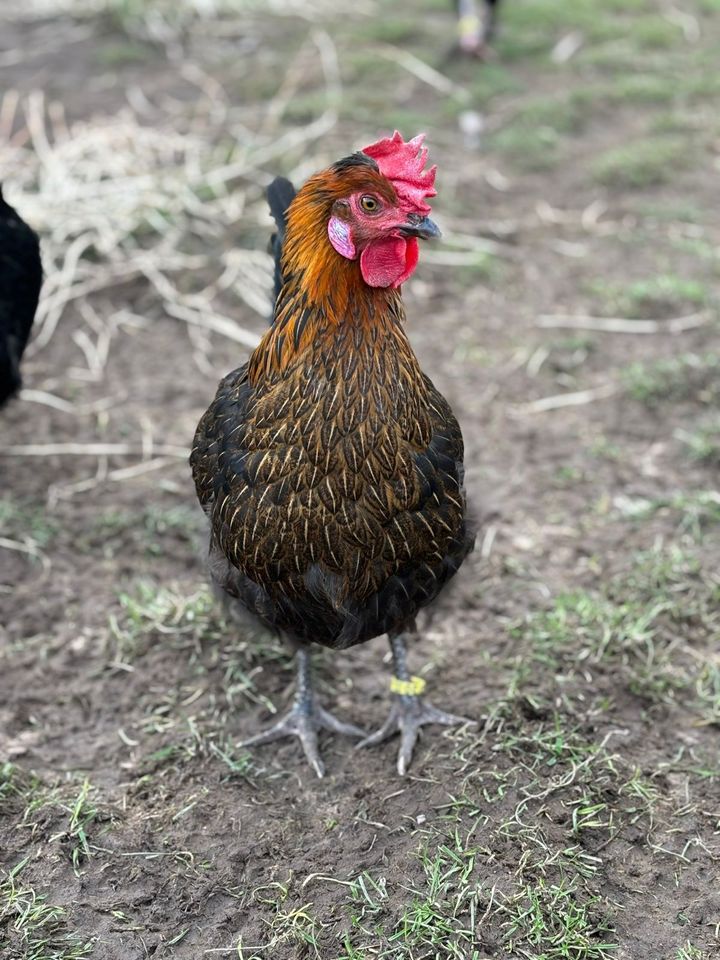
x: 570, y: 315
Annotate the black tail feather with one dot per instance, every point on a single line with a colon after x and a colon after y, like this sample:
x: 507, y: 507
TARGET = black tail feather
x: 280, y: 194
x: 20, y: 280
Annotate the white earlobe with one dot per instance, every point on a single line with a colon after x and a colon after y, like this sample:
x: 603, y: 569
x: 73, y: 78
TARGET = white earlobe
x: 341, y: 238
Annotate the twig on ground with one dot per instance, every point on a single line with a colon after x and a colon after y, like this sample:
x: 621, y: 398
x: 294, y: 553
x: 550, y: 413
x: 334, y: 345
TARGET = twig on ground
x: 65, y: 406
x: 673, y: 325
x: 28, y: 547
x: 423, y: 71
x: 71, y: 449
x: 561, y: 400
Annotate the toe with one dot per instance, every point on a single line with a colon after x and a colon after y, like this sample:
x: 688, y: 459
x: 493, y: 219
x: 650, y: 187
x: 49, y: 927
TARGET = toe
x: 407, y: 745
x: 307, y: 735
x: 279, y: 730
x: 330, y: 722
x: 390, y: 727
x: 431, y: 714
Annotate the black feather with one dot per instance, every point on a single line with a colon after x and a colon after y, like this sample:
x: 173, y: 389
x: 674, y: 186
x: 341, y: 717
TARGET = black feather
x: 280, y: 194
x: 358, y: 159
x: 20, y: 281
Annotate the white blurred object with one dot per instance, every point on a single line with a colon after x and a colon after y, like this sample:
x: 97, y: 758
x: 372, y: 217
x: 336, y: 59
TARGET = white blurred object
x: 566, y: 48
x: 472, y: 126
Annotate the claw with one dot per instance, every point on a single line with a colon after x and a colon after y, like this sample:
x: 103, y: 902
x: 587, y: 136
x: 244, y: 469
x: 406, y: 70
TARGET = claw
x: 407, y: 715
x: 303, y: 722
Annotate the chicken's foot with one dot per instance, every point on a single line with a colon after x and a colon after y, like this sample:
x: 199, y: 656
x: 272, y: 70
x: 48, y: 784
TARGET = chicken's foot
x: 409, y: 711
x: 305, y: 719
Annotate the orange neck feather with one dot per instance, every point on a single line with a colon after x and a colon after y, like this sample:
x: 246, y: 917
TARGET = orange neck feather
x: 323, y: 289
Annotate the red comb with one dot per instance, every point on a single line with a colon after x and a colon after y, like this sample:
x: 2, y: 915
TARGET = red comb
x: 402, y: 163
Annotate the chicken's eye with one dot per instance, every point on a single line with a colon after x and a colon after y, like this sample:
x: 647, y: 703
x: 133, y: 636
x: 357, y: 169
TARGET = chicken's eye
x: 369, y: 204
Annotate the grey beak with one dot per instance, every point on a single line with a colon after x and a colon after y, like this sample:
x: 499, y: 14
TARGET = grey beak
x: 417, y: 226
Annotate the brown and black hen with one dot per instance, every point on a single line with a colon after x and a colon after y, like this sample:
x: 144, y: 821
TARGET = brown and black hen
x: 329, y: 465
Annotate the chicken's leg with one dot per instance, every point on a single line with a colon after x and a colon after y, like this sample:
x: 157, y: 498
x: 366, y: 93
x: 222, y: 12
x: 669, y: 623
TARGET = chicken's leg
x: 305, y: 719
x: 409, y: 711
x: 475, y: 30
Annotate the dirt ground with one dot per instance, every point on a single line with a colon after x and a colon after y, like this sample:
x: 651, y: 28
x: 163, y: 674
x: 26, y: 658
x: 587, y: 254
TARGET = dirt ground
x: 570, y: 317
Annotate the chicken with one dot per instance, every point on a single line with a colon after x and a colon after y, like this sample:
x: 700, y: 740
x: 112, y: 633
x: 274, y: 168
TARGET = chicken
x: 329, y: 465
x: 20, y: 281
x: 475, y: 29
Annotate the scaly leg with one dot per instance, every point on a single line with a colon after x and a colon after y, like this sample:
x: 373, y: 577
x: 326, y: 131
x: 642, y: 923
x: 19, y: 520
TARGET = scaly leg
x: 489, y: 18
x: 305, y: 719
x: 409, y: 711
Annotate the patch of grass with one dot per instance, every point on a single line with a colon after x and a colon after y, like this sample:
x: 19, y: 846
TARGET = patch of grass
x: 644, y: 88
x: 632, y: 627
x: 678, y: 122
x: 642, y: 163
x: 152, y: 610
x: 363, y: 63
x: 191, y: 622
x: 565, y: 114
x: 698, y: 510
x: 655, y: 33
x: 689, y: 376
x: 617, y: 55
x: 689, y: 952
x: 566, y: 355
x: 389, y: 29
x: 558, y: 923
x: 549, y: 744
x: 442, y: 911
x: 477, y: 267
x: 529, y: 148
x: 26, y: 522
x: 667, y: 210
x: 151, y: 19
x: 83, y: 814
x: 567, y: 476
x: 34, y: 929
x: 153, y: 528
x: 663, y: 295
x: 666, y: 289
x: 189, y: 618
x: 597, y: 623
x: 121, y: 54
x: 700, y: 247
x: 703, y: 82
x: 68, y: 804
x: 703, y: 442
x: 671, y: 574
x: 604, y: 449
x: 707, y: 691
x: 491, y: 82
x: 14, y: 783
x: 404, y: 118
x: 449, y: 909
x: 304, y: 107
x: 549, y: 17
x: 299, y: 926
x: 288, y: 925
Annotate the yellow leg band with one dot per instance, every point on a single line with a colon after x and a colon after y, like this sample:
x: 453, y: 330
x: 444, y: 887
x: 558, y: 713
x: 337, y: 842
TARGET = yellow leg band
x: 407, y: 688
x: 469, y: 26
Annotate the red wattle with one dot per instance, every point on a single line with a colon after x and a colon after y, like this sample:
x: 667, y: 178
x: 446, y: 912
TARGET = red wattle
x: 388, y: 263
